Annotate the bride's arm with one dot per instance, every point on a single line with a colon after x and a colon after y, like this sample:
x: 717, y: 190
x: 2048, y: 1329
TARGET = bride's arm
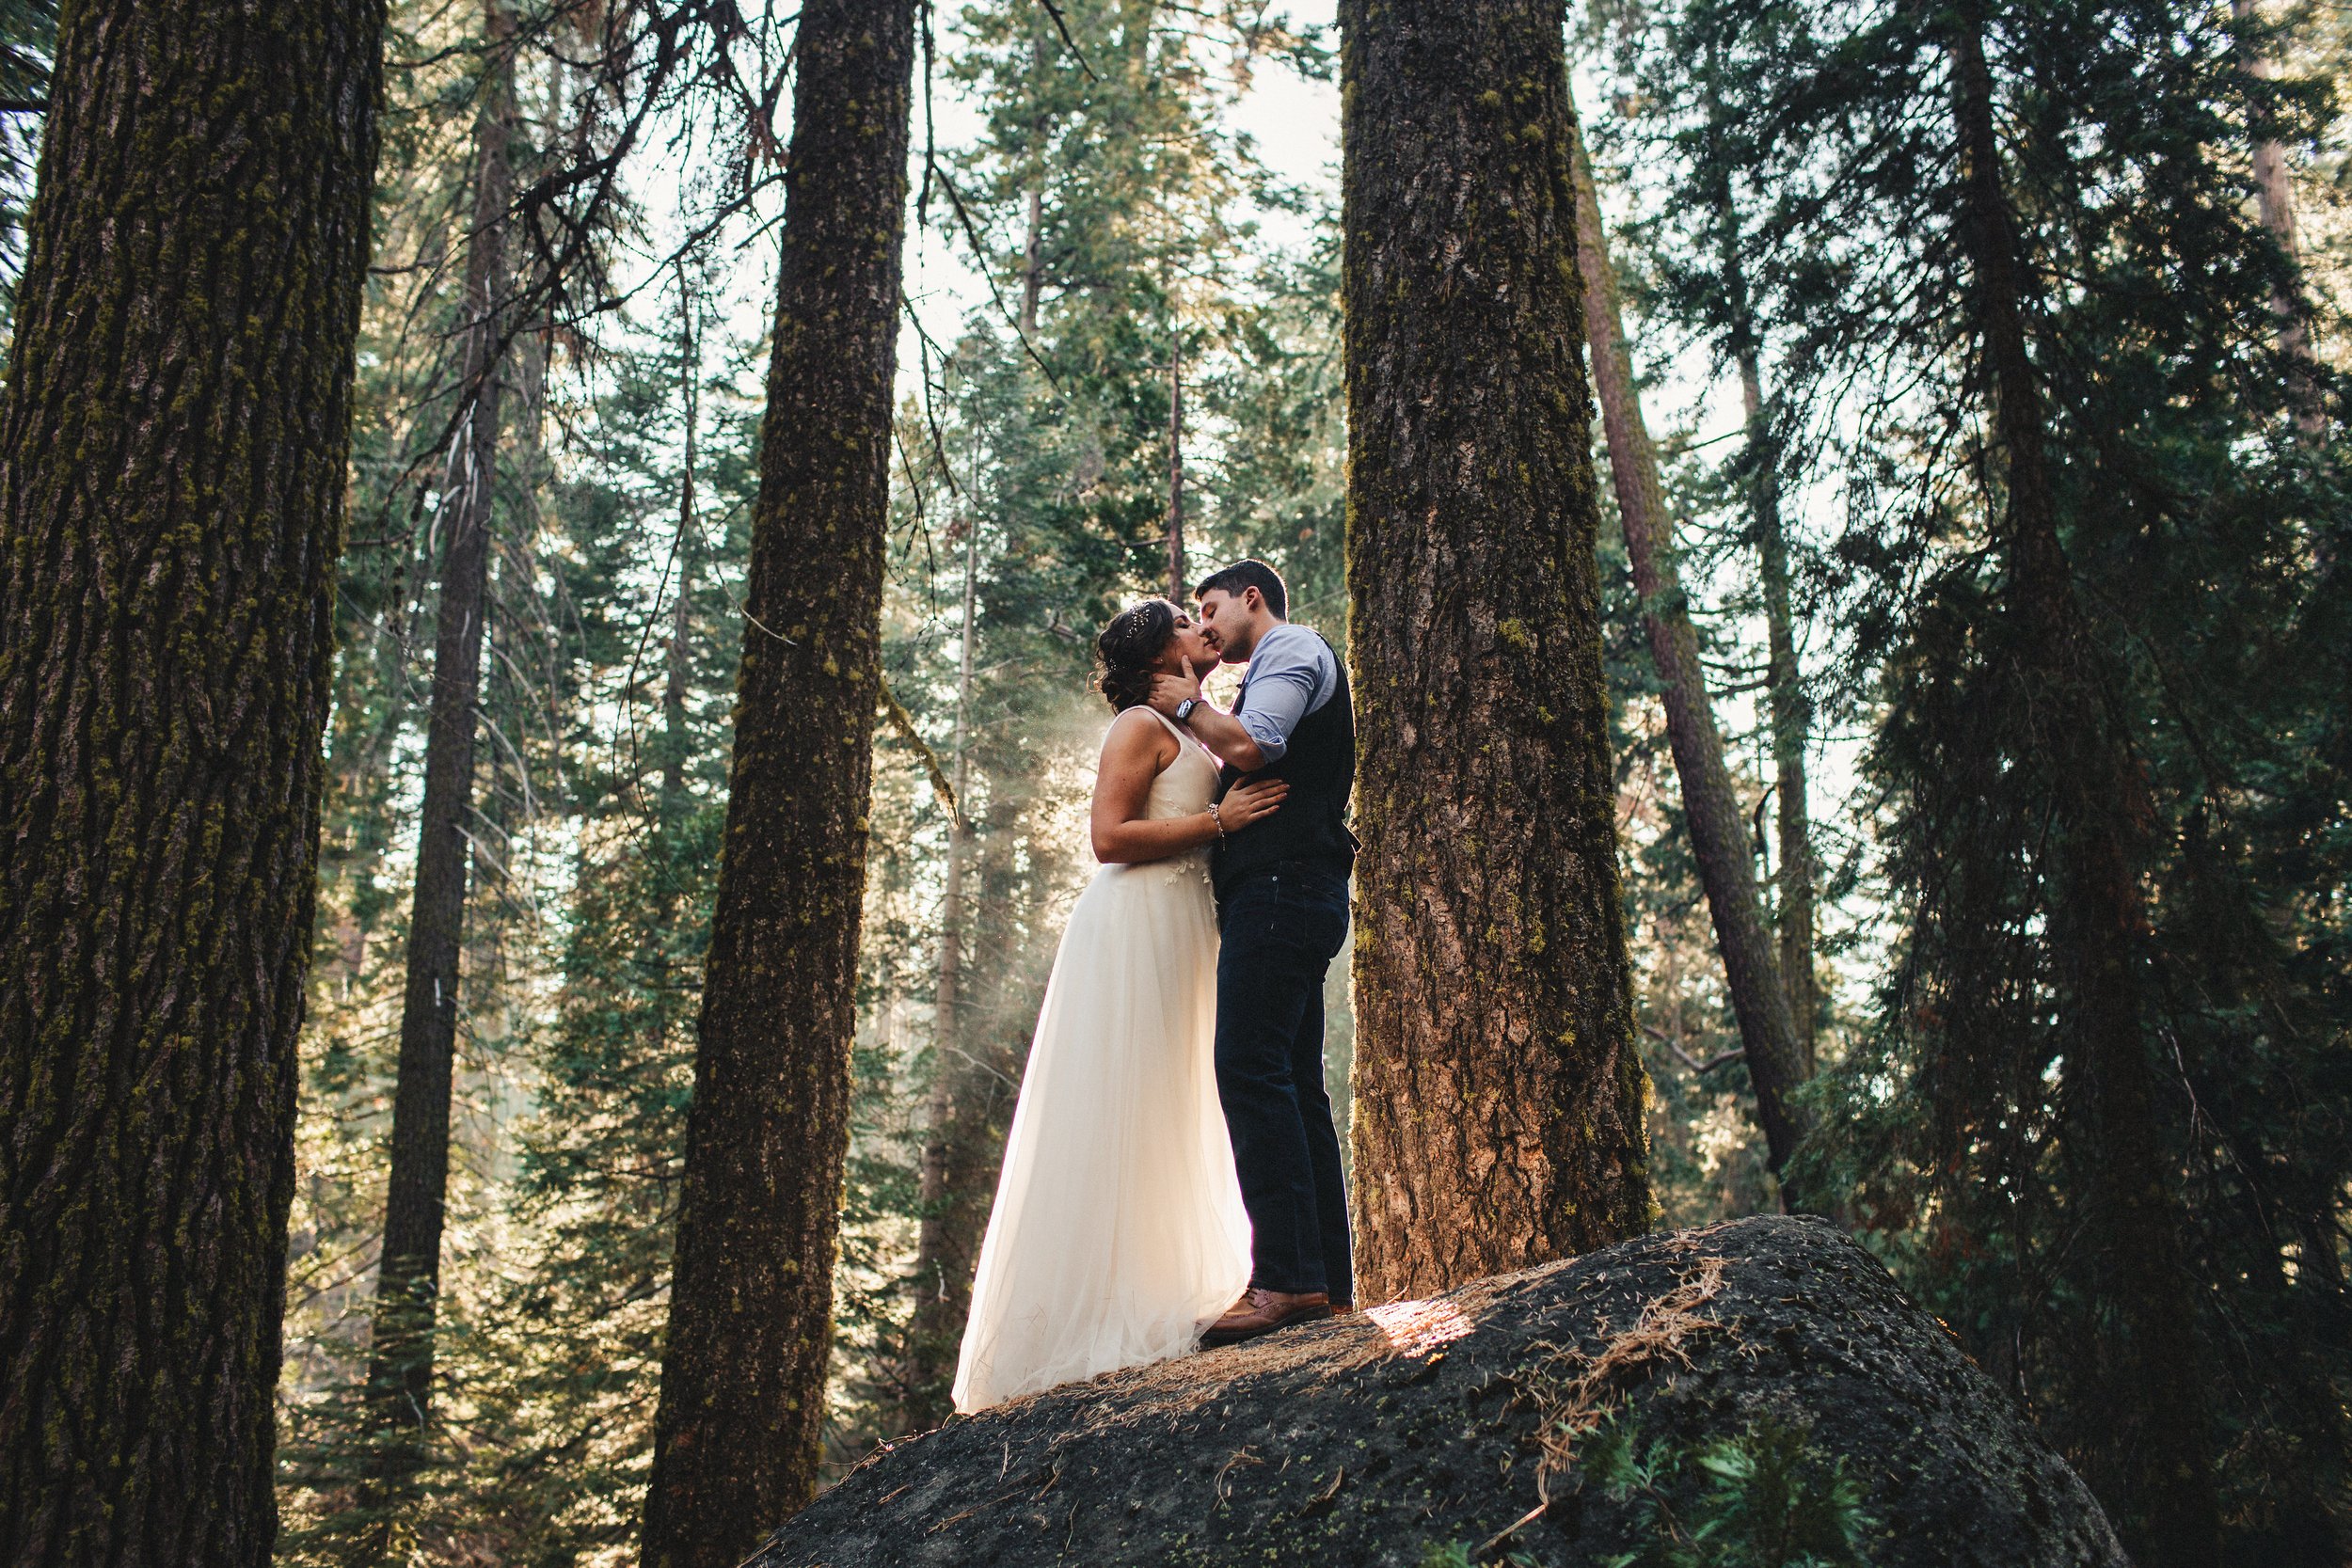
x: 1132, y: 756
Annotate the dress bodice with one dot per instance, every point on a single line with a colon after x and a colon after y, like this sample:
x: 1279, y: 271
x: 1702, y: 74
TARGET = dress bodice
x: 1185, y: 785
x: 1183, y: 788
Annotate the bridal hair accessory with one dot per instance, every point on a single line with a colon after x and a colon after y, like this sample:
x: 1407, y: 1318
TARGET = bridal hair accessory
x: 1130, y: 642
x: 1131, y: 625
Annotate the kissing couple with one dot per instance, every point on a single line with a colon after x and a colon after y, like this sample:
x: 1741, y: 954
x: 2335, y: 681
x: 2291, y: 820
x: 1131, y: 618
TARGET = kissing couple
x: 1172, y: 1175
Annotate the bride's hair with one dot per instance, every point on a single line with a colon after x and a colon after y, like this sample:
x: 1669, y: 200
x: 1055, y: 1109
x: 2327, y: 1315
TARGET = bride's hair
x: 1128, y: 649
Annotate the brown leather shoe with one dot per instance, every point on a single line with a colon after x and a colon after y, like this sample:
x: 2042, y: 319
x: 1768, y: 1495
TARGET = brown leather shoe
x: 1262, y: 1312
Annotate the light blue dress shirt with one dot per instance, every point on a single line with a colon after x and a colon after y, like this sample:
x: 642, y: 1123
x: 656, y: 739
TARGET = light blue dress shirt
x: 1290, y: 674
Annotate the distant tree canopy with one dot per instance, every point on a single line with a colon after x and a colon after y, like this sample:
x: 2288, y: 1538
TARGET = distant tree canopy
x: 2026, y: 326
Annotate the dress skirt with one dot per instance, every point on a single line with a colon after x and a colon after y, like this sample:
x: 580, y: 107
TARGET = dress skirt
x: 1118, y: 1231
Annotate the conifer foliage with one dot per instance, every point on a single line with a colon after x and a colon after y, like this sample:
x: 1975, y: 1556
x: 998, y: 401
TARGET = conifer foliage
x: 2024, y: 308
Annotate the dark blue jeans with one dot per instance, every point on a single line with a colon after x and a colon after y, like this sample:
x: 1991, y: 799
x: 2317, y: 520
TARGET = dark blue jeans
x: 1282, y: 930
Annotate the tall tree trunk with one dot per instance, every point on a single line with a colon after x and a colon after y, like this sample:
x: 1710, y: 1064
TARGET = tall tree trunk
x: 1498, y: 1092
x: 1033, y: 263
x: 173, y: 444
x: 2157, y: 1469
x: 2274, y: 201
x: 943, y: 1284
x: 751, y: 1305
x: 1176, y: 584
x: 1033, y: 244
x: 1790, y: 712
x: 1710, y: 802
x: 408, y: 1282
x: 677, y: 743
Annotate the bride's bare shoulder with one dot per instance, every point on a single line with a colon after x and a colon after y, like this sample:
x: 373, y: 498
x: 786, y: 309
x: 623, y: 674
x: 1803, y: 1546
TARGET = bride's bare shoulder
x: 1137, y: 732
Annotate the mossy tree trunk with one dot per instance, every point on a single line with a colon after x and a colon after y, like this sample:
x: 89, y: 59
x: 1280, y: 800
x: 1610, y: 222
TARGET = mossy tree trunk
x: 1498, y: 1092
x: 408, y: 1281
x: 172, y: 455
x: 743, y: 1370
x: 1710, y: 802
x: 2158, y: 1477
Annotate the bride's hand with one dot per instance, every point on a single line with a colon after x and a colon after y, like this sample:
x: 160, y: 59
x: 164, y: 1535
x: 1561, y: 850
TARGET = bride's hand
x: 1245, y: 803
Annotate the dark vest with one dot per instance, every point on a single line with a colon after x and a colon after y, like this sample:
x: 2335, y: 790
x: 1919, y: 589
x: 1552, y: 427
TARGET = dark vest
x: 1320, y: 767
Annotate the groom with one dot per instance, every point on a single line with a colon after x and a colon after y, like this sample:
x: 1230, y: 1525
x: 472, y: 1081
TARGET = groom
x: 1282, y: 892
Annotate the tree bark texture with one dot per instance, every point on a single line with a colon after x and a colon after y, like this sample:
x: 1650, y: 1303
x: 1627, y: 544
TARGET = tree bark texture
x: 743, y: 1371
x: 1497, y: 1093
x: 2156, y: 1473
x: 400, y: 1370
x: 172, y: 455
x: 1710, y: 802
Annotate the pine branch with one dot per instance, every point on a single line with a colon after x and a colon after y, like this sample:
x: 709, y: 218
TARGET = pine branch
x: 903, y: 721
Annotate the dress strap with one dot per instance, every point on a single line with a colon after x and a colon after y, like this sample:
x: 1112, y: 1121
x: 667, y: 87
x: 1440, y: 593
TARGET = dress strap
x: 1183, y: 736
x: 1173, y: 728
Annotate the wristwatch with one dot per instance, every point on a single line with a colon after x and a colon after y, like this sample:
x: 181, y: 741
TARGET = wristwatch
x: 1183, y: 709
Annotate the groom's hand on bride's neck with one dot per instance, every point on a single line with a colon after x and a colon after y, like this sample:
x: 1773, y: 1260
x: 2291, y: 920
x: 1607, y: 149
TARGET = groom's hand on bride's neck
x: 1168, y: 692
x: 1215, y: 728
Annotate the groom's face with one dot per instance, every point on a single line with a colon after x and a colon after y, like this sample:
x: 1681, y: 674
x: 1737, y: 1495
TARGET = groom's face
x: 1224, y: 624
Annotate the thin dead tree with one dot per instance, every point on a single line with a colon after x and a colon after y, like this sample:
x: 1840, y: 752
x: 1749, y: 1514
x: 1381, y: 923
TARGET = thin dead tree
x: 1711, y: 800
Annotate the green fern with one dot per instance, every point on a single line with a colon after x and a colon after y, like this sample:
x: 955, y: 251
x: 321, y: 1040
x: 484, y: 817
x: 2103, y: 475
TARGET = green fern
x: 1763, y: 1498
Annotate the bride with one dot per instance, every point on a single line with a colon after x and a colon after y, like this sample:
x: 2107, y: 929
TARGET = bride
x: 1118, y: 1229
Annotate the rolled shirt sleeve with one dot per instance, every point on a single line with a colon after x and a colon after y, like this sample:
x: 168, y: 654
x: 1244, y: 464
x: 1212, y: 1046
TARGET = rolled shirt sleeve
x: 1291, y: 673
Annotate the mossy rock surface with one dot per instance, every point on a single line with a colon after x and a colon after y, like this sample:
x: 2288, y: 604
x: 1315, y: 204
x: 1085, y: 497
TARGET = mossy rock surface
x: 1423, y: 1427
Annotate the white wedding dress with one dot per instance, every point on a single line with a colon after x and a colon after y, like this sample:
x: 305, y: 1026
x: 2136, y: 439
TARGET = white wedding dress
x: 1119, y: 1229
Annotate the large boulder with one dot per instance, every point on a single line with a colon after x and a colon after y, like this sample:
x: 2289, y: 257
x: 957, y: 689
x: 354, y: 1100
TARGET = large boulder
x: 1736, y: 1394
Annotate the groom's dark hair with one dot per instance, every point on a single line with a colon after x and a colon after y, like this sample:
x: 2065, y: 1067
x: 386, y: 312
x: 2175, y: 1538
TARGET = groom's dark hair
x: 1249, y: 574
